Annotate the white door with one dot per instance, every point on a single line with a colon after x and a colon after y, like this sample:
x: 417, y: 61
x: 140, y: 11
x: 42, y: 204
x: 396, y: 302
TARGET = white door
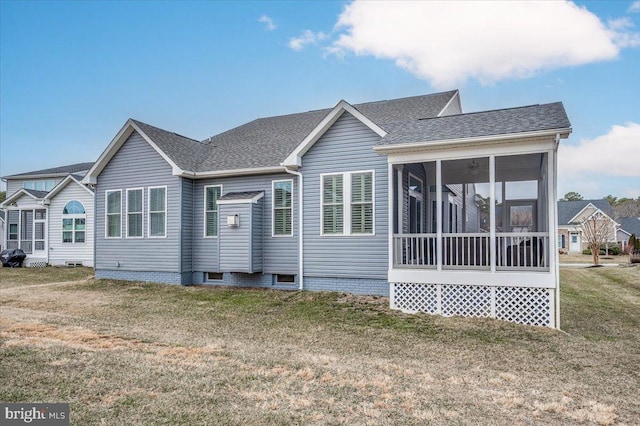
x: 574, y: 241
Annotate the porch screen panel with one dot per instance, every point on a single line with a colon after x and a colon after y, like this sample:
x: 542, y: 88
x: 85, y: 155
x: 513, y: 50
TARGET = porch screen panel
x: 362, y: 203
x: 12, y: 225
x: 332, y: 204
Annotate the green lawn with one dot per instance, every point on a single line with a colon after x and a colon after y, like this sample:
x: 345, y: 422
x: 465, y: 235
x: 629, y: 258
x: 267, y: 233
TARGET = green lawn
x: 135, y: 353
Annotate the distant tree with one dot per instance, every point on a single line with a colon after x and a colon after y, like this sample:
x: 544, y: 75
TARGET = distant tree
x: 3, y: 196
x: 611, y: 199
x: 597, y: 229
x: 572, y: 196
x: 627, y: 207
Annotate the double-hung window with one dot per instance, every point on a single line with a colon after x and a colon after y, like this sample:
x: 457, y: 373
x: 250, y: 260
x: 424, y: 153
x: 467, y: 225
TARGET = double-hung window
x: 362, y: 203
x: 282, y: 207
x: 347, y: 203
x: 73, y: 222
x: 157, y: 212
x: 333, y: 204
x: 113, y: 222
x: 134, y: 212
x: 211, y: 195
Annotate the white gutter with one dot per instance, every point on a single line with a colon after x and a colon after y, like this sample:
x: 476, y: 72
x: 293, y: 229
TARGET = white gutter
x: 232, y: 172
x: 300, y: 228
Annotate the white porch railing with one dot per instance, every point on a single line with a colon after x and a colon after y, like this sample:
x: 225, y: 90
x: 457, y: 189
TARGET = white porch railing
x: 468, y: 250
x: 514, y: 251
x: 414, y: 250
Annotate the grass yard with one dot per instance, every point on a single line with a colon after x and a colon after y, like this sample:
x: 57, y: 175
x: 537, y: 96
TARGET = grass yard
x: 135, y: 353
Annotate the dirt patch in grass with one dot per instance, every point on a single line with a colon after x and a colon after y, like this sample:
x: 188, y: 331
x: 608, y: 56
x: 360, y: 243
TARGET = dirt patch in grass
x: 138, y: 353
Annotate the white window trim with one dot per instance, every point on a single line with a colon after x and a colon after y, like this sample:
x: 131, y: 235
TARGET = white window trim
x: 73, y: 217
x: 204, y: 210
x: 106, y: 214
x: 346, y: 203
x: 166, y: 213
x: 273, y: 209
x: 126, y: 209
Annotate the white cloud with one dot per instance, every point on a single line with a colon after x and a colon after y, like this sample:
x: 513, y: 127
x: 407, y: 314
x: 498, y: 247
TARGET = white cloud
x: 269, y: 24
x: 450, y: 42
x: 635, y: 7
x: 307, y: 37
x: 613, y: 154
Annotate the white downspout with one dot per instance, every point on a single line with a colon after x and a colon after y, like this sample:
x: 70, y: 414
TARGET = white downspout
x: 300, y: 228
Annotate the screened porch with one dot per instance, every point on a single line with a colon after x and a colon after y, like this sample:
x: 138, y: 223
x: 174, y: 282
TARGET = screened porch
x: 488, y: 213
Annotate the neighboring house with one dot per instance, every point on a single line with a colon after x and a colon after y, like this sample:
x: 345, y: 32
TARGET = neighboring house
x: 570, y: 216
x: 628, y: 226
x: 50, y: 216
x: 3, y: 244
x: 444, y: 212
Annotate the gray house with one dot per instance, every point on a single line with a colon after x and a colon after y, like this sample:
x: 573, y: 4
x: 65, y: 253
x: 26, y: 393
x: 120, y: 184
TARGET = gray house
x: 444, y: 212
x: 49, y: 215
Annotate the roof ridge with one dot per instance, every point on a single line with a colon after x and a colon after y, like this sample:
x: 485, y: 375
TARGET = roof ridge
x: 406, y: 97
x: 490, y: 110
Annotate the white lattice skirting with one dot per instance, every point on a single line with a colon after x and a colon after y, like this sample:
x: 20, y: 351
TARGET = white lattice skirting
x: 523, y: 305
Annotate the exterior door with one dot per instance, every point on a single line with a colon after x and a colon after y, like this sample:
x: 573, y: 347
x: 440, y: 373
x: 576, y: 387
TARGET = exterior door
x: 574, y: 241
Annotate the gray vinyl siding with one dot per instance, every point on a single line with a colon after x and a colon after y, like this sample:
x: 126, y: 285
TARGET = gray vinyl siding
x: 347, y: 146
x: 280, y: 254
x: 257, y: 235
x: 14, y: 185
x: 138, y: 165
x: 186, y: 220
x: 235, y: 255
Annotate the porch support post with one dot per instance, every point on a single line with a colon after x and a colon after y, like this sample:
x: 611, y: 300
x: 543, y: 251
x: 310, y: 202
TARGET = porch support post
x: 400, y: 201
x: 552, y: 196
x: 439, y: 215
x: 492, y: 212
x: 390, y: 214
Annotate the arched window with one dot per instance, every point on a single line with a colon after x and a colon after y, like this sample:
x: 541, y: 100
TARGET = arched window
x: 73, y: 222
x: 73, y: 207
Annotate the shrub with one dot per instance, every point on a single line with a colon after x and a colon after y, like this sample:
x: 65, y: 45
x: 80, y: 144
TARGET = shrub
x: 586, y: 251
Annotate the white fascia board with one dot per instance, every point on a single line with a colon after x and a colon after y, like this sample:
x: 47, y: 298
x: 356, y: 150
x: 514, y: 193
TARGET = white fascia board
x: 252, y: 200
x: 295, y: 158
x: 454, y: 98
x: 64, y: 183
x: 129, y: 127
x: 440, y: 144
x: 17, y: 195
x: 233, y: 172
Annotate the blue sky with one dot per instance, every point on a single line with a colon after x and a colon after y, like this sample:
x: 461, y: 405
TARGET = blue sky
x: 71, y: 73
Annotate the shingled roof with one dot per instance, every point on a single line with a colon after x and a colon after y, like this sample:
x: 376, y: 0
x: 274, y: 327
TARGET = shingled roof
x: 77, y: 168
x: 478, y: 124
x: 183, y: 151
x: 630, y: 224
x: 568, y: 209
x: 266, y: 142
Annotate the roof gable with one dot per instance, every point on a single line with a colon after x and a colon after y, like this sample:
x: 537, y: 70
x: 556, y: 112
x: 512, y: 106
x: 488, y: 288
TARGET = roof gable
x: 66, y: 181
x: 162, y: 141
x: 568, y: 211
x: 295, y: 158
x: 631, y: 225
x: 22, y: 192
